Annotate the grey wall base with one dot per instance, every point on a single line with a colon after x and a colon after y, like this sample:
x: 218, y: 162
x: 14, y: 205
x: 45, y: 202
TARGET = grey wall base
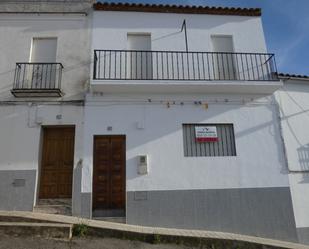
x: 85, y: 205
x: 303, y: 235
x: 17, y: 188
x: 263, y: 212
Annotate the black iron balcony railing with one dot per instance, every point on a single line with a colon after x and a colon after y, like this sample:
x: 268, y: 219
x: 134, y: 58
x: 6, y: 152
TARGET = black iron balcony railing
x: 177, y: 65
x: 37, y: 77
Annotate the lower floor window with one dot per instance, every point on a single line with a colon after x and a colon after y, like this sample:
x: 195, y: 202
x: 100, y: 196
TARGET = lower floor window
x: 208, y: 140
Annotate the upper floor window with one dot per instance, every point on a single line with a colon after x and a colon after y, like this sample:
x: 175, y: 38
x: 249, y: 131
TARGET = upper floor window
x: 43, y: 50
x: 224, y: 57
x: 139, y: 42
x: 41, y: 76
x: 43, y: 70
x: 222, y: 43
x: 140, y: 59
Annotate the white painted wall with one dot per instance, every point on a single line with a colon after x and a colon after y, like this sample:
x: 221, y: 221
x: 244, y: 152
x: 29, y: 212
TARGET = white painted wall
x: 73, y: 48
x: 259, y: 161
x: 110, y: 30
x: 21, y: 120
x: 293, y: 100
x: 20, y: 133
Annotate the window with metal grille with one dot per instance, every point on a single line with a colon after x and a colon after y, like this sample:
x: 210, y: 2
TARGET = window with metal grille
x: 209, y: 145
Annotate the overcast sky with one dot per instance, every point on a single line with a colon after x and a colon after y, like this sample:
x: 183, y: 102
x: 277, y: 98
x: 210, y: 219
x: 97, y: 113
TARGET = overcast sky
x: 286, y: 27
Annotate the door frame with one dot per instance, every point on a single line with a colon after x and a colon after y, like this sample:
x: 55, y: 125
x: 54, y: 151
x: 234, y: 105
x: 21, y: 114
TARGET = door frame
x: 40, y: 155
x: 125, y: 167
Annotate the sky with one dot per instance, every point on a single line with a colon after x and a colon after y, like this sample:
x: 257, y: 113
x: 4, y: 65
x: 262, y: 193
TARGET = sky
x: 286, y: 28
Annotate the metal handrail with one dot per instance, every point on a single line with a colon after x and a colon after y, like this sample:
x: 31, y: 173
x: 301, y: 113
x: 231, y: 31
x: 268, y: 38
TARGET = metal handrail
x: 37, y: 76
x: 181, y: 65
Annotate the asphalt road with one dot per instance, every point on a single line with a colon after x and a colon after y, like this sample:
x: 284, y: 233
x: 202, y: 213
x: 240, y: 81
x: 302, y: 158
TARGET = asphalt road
x: 80, y: 243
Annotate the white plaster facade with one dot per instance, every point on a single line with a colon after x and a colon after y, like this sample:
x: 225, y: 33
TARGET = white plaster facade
x: 151, y: 116
x: 22, y: 119
x: 293, y: 101
x: 21, y: 144
x: 256, y: 131
x: 110, y: 30
x: 73, y: 48
x: 254, y: 120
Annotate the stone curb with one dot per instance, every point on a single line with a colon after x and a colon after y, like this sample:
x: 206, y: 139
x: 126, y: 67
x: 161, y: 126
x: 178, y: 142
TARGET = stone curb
x: 33, y: 229
x: 155, y: 234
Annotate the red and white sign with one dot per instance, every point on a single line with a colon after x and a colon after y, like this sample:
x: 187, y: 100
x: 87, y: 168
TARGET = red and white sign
x: 206, y: 134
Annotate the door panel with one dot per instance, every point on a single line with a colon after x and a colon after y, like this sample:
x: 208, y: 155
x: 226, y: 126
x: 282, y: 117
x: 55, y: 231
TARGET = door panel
x: 109, y: 172
x: 57, y: 163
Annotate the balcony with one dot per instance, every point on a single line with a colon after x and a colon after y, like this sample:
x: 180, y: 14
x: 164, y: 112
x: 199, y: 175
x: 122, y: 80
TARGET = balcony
x: 176, y: 71
x: 37, y: 80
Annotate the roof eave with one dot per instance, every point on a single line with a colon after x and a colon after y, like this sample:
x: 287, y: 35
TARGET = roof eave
x: 159, y: 8
x: 293, y: 77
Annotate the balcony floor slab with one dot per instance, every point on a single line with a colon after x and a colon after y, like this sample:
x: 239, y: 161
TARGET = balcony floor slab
x: 30, y: 93
x: 174, y: 86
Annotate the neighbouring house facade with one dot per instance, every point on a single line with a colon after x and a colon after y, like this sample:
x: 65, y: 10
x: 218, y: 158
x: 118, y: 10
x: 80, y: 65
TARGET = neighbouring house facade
x: 293, y: 101
x: 44, y: 63
x: 164, y: 115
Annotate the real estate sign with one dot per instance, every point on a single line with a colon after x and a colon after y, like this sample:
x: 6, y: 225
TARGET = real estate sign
x: 206, y: 134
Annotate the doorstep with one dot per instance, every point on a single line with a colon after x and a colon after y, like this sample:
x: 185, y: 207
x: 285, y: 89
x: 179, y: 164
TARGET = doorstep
x: 121, y: 220
x: 54, y: 206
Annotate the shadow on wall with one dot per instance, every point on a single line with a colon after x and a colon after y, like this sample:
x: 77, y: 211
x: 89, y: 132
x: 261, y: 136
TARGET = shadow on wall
x: 303, y: 158
x: 301, y: 112
x: 305, y: 178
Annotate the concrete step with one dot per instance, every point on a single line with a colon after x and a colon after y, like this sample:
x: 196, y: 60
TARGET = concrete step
x: 61, y: 201
x: 52, y: 209
x: 5, y: 218
x: 121, y: 220
x: 54, y: 206
x: 44, y: 230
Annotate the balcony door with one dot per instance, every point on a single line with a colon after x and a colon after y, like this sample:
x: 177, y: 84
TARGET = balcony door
x: 223, y: 59
x: 140, y: 59
x: 42, y: 71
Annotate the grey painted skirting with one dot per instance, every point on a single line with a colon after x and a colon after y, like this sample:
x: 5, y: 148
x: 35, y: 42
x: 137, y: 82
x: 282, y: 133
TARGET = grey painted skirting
x: 17, y: 188
x: 85, y: 205
x: 263, y: 212
x: 303, y: 235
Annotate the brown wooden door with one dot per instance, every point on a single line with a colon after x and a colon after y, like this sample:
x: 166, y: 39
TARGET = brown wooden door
x: 109, y: 172
x: 57, y: 163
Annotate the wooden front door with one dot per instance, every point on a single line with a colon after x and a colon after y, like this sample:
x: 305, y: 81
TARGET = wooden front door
x: 57, y: 162
x: 109, y: 173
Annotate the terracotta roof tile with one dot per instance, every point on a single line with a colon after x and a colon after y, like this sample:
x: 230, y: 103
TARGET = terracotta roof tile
x: 286, y: 75
x: 166, y: 8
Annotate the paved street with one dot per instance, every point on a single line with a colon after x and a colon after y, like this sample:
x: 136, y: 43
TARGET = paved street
x: 101, y: 243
